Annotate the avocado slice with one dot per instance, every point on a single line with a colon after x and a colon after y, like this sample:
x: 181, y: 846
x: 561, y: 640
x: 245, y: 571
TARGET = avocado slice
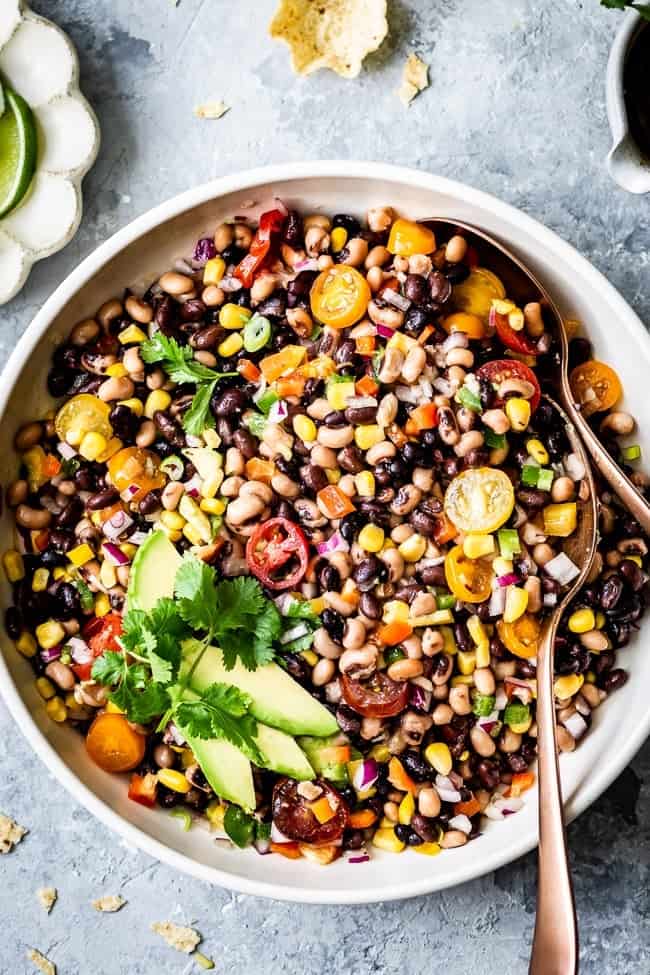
x: 153, y: 571
x: 316, y: 751
x: 283, y: 753
x: 227, y: 769
x: 278, y: 700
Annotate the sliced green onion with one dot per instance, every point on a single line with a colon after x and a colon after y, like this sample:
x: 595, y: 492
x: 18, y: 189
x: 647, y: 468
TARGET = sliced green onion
x: 257, y: 333
x: 632, y: 453
x: 469, y: 399
x: 256, y: 423
x: 545, y: 478
x: 496, y: 441
x: 529, y: 475
x: 516, y: 714
x: 203, y: 960
x: 173, y: 467
x: 509, y: 543
x: 484, y: 705
x: 392, y: 655
x: 185, y: 818
x: 266, y: 400
x: 445, y: 601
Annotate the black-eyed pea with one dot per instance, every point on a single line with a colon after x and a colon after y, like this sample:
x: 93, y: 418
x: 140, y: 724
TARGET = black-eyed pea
x: 533, y: 321
x: 375, y: 278
x: 412, y: 647
x: 504, y: 668
x: 335, y: 437
x: 156, y: 379
x: 32, y: 518
x: 284, y: 486
x: 108, y: 312
x: 416, y: 359
x: 377, y: 256
x: 317, y: 240
x: 459, y: 699
x: 400, y: 533
x: 116, y: 387
x: 533, y: 587
x: 342, y: 563
x: 496, y: 420
x: 509, y: 741
x: 482, y: 743
x: 146, y: 434
x: 391, y: 318
x: 231, y: 486
x: 594, y: 640
x: 359, y: 663
x: 323, y: 457
x: 356, y: 251
x: 17, y: 493
x: 456, y: 249
x: 563, y: 489
x: 472, y: 440
x: 317, y: 220
x: 466, y: 419
x: 423, y: 479
x: 354, y: 634
x: 223, y: 236
x: 380, y: 218
x: 380, y: 451
x: 243, y: 235
x: 619, y: 422
x: 391, y: 365
x: 28, y: 435
x: 257, y: 489
x: 263, y: 286
x: 244, y: 509
x: 318, y: 409
x: 323, y: 672
x: 138, y: 310
x: 132, y: 361
x: 175, y: 284
x: 370, y: 728
x: 452, y: 839
x: 593, y: 695
x: 565, y: 739
x: 420, y: 264
x: 442, y: 714
x: 347, y: 484
x: 484, y: 681
x: 335, y: 601
x: 432, y: 642
x: 171, y: 495
x: 405, y: 669
x: 213, y: 296
x: 61, y: 674
x: 235, y: 462
x: 543, y: 553
x: 429, y: 802
x: 84, y: 332
x: 460, y: 357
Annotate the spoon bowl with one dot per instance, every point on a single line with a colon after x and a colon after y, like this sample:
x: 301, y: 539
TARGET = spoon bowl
x: 522, y: 287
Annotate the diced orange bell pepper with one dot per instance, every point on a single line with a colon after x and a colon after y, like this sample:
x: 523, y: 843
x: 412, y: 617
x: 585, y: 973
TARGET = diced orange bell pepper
x: 260, y: 470
x: 445, y: 529
x: 40, y: 540
x: 51, y: 465
x: 335, y: 755
x: 362, y: 818
x: 290, y: 385
x: 106, y: 513
x: 469, y: 808
x: 393, y: 633
x: 248, y: 370
x: 521, y: 782
x: 366, y: 386
x: 425, y: 334
x: 333, y: 502
x: 322, y: 810
x: 423, y: 417
x: 288, y: 359
x: 390, y: 284
x: 319, y: 368
x: 365, y: 344
x: 289, y: 850
x: 398, y: 776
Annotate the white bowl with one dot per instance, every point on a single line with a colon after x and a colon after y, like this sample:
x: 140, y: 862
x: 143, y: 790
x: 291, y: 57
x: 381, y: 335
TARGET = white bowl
x: 135, y: 255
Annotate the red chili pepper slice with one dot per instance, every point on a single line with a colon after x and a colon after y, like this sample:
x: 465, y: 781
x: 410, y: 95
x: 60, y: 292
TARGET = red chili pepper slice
x: 517, y: 341
x: 499, y: 369
x: 270, y: 223
x: 275, y: 545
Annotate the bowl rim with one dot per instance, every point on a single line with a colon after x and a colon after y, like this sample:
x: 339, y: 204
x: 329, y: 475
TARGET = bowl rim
x: 599, y: 778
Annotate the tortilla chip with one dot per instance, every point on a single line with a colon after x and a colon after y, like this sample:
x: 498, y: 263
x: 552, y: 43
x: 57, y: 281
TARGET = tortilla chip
x: 211, y: 110
x: 415, y: 78
x: 334, y: 34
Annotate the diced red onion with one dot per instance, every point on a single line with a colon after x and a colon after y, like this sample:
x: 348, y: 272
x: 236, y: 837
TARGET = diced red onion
x: 309, y: 264
x: 117, y: 525
x: 52, y: 653
x: 192, y: 487
x: 263, y: 846
x: 335, y: 543
x: 576, y: 725
x: 574, y: 467
x: 446, y: 790
x: 277, y: 836
x: 497, y: 602
x: 431, y: 563
x: 562, y: 569
x: 114, y: 554
x: 520, y: 689
x: 419, y: 698
x: 279, y: 411
x: 488, y: 721
x: 457, y: 340
x: 137, y: 538
x: 172, y: 735
x: 366, y: 775
x: 79, y: 650
x: 500, y: 699
x: 500, y: 808
x: 193, y: 441
x: 407, y: 394
x: 230, y: 283
x: 282, y: 603
x: 359, y: 859
x: 462, y: 823
x: 66, y: 451
x: 443, y: 385
x: 300, y: 629
x: 550, y: 599
x: 396, y: 299
x: 509, y: 579
x: 385, y: 332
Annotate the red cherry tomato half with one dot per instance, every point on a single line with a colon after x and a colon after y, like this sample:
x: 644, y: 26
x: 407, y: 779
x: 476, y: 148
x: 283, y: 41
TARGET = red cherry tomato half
x: 517, y: 341
x: 293, y: 817
x: 100, y: 633
x: 270, y: 224
x: 378, y: 697
x: 499, y: 369
x: 278, y: 553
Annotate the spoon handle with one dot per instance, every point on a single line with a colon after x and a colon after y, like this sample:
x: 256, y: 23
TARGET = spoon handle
x: 555, y: 943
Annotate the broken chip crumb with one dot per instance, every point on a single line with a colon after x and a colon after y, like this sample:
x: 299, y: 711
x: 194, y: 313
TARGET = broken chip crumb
x: 415, y: 78
x: 335, y: 34
x: 10, y: 834
x: 109, y: 904
x: 203, y: 960
x: 176, y: 936
x: 41, y: 962
x: 211, y: 110
x: 47, y: 897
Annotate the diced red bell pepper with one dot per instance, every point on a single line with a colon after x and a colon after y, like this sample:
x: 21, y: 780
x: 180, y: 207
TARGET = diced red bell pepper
x: 423, y: 417
x: 270, y: 224
x: 142, y: 789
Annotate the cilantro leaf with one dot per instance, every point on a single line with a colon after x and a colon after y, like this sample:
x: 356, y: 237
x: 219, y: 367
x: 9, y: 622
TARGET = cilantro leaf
x: 641, y: 8
x: 157, y: 635
x: 247, y: 623
x: 143, y: 704
x: 237, y: 599
x: 194, y: 588
x: 221, y: 712
x: 109, y: 668
x: 300, y: 609
x: 198, y: 417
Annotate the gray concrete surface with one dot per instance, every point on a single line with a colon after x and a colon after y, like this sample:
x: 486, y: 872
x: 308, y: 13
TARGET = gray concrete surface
x: 516, y: 107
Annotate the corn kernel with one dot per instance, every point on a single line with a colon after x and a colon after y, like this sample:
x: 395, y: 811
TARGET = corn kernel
x: 406, y: 809
x: 59, y: 573
x: 590, y: 677
x: 476, y: 546
x: 364, y: 482
x: 483, y: 655
x: 516, y: 319
x: 396, y: 611
x: 380, y: 752
x: 368, y: 435
x: 214, y: 270
x: 333, y: 477
x: 173, y: 520
x: 516, y: 603
x: 158, y: 399
x: 102, y: 605
x: 568, y: 685
x: 189, y: 509
x: 92, y: 445
x: 132, y: 334
x: 45, y: 688
x: 502, y: 567
x: 112, y: 708
x: 338, y: 394
x: 173, y: 780
x: 117, y: 370
x: 338, y: 239
x: 56, y: 710
x: 233, y: 316
x: 537, y: 451
x: 310, y: 657
x: 439, y: 757
x: 464, y: 756
x: 600, y: 620
x: 135, y: 405
x: 560, y: 519
x: 518, y: 412
x: 212, y: 506
x: 128, y: 549
x: 317, y: 605
x: 26, y: 644
x: 371, y: 538
x: 49, y: 634
x: 304, y: 428
x: 428, y: 849
x: 187, y: 757
x: 173, y: 536
x: 74, y: 437
x: 413, y: 548
x: 503, y: 306
x: 385, y: 839
x: 215, y: 813
x: 192, y: 535
x: 211, y: 485
x: 212, y: 439
x: 635, y: 558
x: 521, y: 727
x: 107, y: 574
x: 40, y: 580
x: 449, y: 639
x: 231, y: 345
x: 582, y: 621
x: 80, y: 555
x: 476, y: 630
x: 459, y: 679
x: 466, y: 661
x: 13, y: 565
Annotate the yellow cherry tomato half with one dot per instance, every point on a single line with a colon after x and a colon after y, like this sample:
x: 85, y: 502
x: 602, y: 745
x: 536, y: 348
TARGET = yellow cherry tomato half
x: 339, y: 296
x: 462, y: 321
x: 408, y: 237
x: 522, y: 636
x: 81, y: 415
x: 479, y: 499
x: 595, y: 386
x: 136, y: 468
x: 470, y: 580
x: 113, y: 744
x: 476, y: 293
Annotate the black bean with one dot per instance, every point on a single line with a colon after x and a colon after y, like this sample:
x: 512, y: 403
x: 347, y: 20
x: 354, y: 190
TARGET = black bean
x: 353, y: 839
x: 150, y: 503
x: 193, y: 310
x: 423, y: 827
x: 245, y: 442
x: 348, y: 720
x: 579, y: 351
x: 59, y: 382
x: 68, y: 600
x: 292, y: 232
x: 635, y: 577
x: 457, y: 272
x: 229, y: 403
x: 615, y: 679
x: 415, y: 288
x: 416, y: 766
x: 360, y: 414
x: 531, y: 497
x: 488, y: 773
x: 345, y: 354
x: 424, y: 523
x: 604, y: 662
x: 103, y: 499
x: 370, y: 606
x: 611, y: 590
x: 350, y: 525
x: 62, y: 541
x: 462, y: 636
x: 628, y: 610
x: 85, y: 479
x: 517, y: 763
x: 274, y: 306
x: 349, y: 223
x: 333, y: 623
x: 13, y: 622
x: 415, y: 320
x: 313, y: 478
x: 284, y: 509
x: 169, y: 429
x: 298, y: 668
x: 476, y: 458
x: 167, y: 798
x: 350, y: 459
x: 335, y: 419
x: 206, y: 338
x: 439, y: 287
x: 367, y: 572
x: 124, y: 422
x: 301, y: 285
x: 71, y: 514
x: 329, y: 577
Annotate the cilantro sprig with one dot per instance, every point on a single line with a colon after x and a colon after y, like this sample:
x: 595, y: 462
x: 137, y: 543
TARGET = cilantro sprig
x: 181, y: 367
x: 641, y: 8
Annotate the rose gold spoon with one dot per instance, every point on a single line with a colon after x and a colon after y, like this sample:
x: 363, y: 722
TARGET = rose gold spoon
x: 522, y: 287
x: 555, y: 944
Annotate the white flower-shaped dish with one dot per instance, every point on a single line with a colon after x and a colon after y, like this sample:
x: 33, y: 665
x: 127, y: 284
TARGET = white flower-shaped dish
x: 40, y: 63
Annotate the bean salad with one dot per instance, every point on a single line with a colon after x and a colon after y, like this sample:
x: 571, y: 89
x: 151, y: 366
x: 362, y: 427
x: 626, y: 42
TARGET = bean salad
x: 351, y: 413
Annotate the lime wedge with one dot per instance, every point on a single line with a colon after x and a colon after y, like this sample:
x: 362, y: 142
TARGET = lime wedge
x: 17, y: 149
